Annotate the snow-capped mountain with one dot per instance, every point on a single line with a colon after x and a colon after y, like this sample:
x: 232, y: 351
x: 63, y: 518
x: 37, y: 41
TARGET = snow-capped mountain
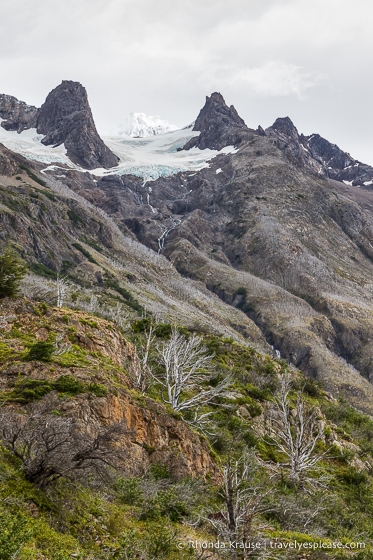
x: 140, y: 125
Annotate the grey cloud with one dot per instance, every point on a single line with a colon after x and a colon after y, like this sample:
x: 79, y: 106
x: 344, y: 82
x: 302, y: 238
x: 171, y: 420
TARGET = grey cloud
x: 270, y: 58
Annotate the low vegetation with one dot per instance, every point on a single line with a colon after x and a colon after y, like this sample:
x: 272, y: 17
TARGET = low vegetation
x: 293, y: 464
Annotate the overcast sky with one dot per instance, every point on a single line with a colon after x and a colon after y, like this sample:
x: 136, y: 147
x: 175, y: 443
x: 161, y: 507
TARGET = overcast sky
x: 308, y: 59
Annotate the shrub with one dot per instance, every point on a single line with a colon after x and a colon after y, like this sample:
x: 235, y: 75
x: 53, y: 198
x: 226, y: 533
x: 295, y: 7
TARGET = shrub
x: 12, y: 270
x: 14, y: 532
x: 28, y: 390
x: 33, y: 176
x: 130, y: 491
x: 42, y: 351
x: 141, y: 325
x: 98, y: 389
x: 68, y: 384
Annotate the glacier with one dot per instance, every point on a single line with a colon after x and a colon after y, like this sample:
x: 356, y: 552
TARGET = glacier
x: 148, y: 157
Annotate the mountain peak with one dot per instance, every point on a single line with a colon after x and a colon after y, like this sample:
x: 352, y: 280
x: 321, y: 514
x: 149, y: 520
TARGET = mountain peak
x: 216, y: 109
x: 66, y: 118
x: 286, y: 126
x: 218, y: 124
x: 17, y: 114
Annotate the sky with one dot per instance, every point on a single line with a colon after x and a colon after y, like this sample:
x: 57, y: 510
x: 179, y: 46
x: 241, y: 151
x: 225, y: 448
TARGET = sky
x: 310, y: 60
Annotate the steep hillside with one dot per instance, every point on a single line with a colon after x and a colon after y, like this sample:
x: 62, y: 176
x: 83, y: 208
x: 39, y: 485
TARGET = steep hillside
x: 58, y: 232
x: 163, y: 495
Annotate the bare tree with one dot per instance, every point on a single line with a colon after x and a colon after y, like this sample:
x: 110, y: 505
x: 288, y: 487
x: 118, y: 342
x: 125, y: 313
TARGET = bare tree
x: 142, y: 369
x: 61, y: 286
x: 187, y: 366
x: 39, y: 289
x: 51, y: 445
x: 295, y: 431
x: 244, y: 500
x: 61, y: 347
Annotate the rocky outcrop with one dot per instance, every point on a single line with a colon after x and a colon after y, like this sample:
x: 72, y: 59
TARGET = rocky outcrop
x: 153, y: 435
x: 337, y: 164
x: 11, y: 163
x: 319, y: 155
x: 287, y: 138
x: 17, y: 114
x: 219, y: 126
x: 66, y: 118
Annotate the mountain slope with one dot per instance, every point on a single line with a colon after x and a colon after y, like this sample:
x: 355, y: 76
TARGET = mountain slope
x: 56, y: 230
x: 288, y: 252
x: 257, y: 213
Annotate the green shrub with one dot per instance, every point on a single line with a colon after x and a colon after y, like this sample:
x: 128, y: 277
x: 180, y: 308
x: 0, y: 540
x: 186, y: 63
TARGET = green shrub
x: 75, y: 218
x: 98, y: 389
x: 163, y: 330
x: 141, y: 325
x: 14, y: 532
x: 164, y: 504
x: 158, y: 471
x: 130, y: 491
x: 41, y: 351
x: 84, y: 252
x: 12, y: 270
x: 33, y: 176
x: 41, y: 270
x: 28, y: 390
x: 68, y: 384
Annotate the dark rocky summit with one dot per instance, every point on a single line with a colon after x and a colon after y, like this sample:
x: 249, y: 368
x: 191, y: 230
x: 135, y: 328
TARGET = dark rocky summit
x: 319, y: 155
x: 219, y: 126
x: 66, y: 117
x: 17, y: 114
x: 337, y: 164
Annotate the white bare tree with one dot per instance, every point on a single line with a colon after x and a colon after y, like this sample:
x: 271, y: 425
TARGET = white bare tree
x: 295, y: 431
x: 142, y: 370
x: 61, y: 286
x: 187, y: 366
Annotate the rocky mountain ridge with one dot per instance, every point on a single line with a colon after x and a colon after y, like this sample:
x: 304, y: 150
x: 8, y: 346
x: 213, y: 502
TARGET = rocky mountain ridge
x: 64, y: 118
x: 319, y: 155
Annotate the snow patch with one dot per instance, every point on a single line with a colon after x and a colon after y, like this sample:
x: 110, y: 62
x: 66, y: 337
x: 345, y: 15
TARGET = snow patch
x: 348, y: 183
x: 28, y: 144
x: 366, y: 183
x: 218, y: 171
x: 140, y: 125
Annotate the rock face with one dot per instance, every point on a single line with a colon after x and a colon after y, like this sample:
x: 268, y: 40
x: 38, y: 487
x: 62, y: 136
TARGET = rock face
x: 219, y: 126
x: 17, y: 114
x: 9, y: 162
x: 337, y: 164
x: 319, y: 155
x: 154, y: 435
x: 66, y: 118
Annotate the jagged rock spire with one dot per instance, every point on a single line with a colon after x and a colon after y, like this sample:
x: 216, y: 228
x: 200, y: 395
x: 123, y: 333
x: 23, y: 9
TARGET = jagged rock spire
x: 66, y: 118
x: 218, y: 124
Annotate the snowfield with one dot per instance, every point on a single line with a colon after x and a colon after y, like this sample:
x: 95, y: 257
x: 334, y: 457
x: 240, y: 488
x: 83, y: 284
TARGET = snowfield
x: 140, y: 125
x: 150, y: 157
